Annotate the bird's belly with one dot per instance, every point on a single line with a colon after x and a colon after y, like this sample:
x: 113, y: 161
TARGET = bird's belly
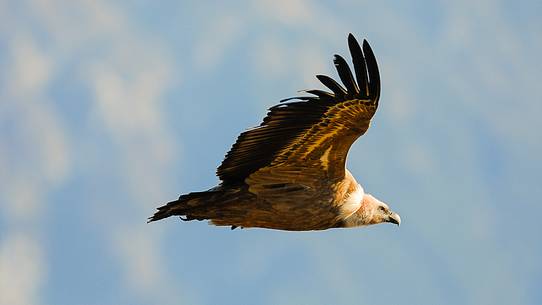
x: 298, y: 216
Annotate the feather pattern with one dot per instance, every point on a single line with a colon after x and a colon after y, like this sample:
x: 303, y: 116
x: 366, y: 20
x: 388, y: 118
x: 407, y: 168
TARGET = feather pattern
x: 312, y: 130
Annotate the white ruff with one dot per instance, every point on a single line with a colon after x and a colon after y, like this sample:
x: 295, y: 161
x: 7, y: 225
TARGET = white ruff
x: 353, y: 202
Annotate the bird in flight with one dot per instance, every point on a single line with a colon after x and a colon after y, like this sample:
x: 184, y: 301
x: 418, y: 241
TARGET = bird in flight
x: 289, y: 173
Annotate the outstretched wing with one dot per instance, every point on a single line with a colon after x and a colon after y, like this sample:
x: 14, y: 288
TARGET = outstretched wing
x: 313, y: 131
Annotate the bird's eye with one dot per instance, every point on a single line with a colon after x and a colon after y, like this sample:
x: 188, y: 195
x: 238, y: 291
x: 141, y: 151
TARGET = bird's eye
x: 381, y: 208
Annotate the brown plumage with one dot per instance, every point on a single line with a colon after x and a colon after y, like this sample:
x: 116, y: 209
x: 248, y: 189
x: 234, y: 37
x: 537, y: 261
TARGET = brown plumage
x: 289, y: 173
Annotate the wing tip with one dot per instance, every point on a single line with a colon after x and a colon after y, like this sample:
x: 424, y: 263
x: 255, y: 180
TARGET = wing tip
x: 367, y: 48
x: 353, y: 42
x: 351, y: 37
x: 373, y: 71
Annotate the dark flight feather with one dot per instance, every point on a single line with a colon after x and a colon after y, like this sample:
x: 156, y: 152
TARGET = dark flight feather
x: 337, y: 89
x: 372, y: 69
x: 359, y: 64
x: 345, y: 74
x: 323, y: 95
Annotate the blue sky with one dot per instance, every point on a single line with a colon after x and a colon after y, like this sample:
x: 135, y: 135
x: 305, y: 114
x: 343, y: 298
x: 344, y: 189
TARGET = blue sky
x: 109, y: 109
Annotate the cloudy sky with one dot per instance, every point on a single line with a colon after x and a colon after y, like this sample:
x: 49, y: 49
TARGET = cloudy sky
x: 109, y: 109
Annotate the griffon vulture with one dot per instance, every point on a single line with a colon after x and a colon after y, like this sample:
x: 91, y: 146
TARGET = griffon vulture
x: 289, y: 172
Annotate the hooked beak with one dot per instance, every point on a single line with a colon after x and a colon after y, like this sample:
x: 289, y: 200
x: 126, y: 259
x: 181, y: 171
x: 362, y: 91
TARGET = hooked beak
x: 394, y: 218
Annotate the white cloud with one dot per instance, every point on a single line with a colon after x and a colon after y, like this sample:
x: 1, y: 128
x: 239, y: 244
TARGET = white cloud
x: 218, y: 37
x: 35, y: 153
x: 276, y: 58
x: 127, y: 84
x: 144, y: 266
x: 128, y: 77
x: 293, y: 12
x: 300, y: 15
x: 221, y: 32
x: 271, y: 57
x: 38, y: 158
x: 129, y: 108
x: 32, y: 68
x: 497, y: 72
x: 23, y: 200
x: 21, y: 270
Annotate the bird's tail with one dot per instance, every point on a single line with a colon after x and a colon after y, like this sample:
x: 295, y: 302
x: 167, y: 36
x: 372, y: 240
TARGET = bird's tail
x: 188, y: 206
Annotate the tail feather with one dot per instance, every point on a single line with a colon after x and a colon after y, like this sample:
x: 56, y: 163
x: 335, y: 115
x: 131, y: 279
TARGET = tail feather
x: 183, y: 206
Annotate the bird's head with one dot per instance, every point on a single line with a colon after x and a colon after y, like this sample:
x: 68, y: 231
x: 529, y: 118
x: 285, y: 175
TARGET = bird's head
x: 378, y: 212
x: 372, y: 211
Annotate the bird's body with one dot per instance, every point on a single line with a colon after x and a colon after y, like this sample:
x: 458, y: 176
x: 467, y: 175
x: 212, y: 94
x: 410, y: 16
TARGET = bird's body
x: 289, y: 173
